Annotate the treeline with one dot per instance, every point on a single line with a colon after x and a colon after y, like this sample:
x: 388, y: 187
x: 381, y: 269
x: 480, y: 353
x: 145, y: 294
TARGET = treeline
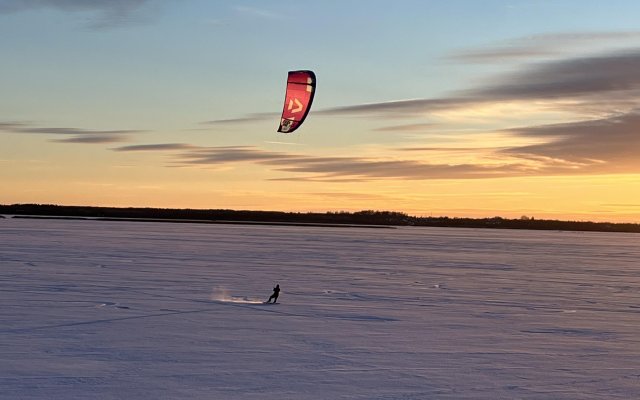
x: 368, y: 217
x: 529, y: 223
x: 360, y: 218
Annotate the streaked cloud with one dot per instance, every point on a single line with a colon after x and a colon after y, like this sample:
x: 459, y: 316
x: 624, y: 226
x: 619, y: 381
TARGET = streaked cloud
x: 602, y: 93
x: 284, y: 143
x: 546, y: 46
x: 318, y: 168
x: 241, y: 120
x: 75, y: 135
x: 421, y: 127
x: 155, y: 147
x: 611, y: 79
x: 232, y: 154
x: 611, y: 75
x: 257, y: 12
x: 603, y: 83
x: 11, y: 126
x: 93, y: 139
x: 398, y: 107
x: 73, y: 131
x: 604, y: 145
x: 448, y: 149
x: 336, y: 169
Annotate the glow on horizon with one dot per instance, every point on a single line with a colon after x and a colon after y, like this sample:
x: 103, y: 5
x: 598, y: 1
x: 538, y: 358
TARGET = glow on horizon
x: 535, y: 116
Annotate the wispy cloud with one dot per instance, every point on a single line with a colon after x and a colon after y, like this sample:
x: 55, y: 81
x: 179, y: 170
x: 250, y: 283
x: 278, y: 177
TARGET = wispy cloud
x: 612, y: 76
x: 421, y: 127
x: 108, y: 13
x: 398, y: 107
x: 155, y: 147
x: 604, y: 145
x: 73, y: 135
x: 73, y: 131
x: 11, y: 126
x: 608, y: 82
x: 546, y: 46
x: 94, y: 139
x: 257, y: 12
x: 232, y: 154
x: 318, y: 168
x: 354, y: 168
x: 611, y: 79
x: 449, y: 149
x: 590, y: 88
x: 241, y: 120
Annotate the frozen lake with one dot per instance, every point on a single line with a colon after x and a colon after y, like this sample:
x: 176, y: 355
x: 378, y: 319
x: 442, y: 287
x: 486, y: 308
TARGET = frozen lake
x: 130, y: 310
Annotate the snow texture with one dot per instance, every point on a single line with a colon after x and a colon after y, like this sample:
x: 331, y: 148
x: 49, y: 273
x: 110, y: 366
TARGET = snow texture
x: 130, y: 310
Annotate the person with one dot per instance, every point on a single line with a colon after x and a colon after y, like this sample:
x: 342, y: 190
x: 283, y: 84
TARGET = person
x: 274, y: 296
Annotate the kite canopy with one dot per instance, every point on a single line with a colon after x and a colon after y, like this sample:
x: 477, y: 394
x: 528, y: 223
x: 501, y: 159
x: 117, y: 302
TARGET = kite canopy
x: 301, y: 87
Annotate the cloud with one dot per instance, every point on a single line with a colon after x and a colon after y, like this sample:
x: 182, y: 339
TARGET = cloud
x: 546, y: 45
x: 76, y: 135
x: 449, y: 149
x: 611, y: 79
x: 604, y: 145
x: 257, y: 12
x: 155, y: 147
x: 421, y: 127
x: 109, y: 13
x: 317, y: 168
x: 231, y: 154
x: 596, y: 85
x: 609, y: 82
x: 603, y: 91
x: 607, y: 145
x: 73, y: 131
x: 397, y: 107
x: 323, y: 169
x: 94, y: 139
x: 11, y: 126
x: 240, y: 120
x: 610, y: 75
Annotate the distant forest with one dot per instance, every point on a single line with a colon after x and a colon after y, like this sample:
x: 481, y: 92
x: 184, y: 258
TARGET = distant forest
x: 366, y: 218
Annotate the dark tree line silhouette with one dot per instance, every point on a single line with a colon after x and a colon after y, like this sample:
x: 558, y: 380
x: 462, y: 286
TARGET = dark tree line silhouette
x: 366, y: 218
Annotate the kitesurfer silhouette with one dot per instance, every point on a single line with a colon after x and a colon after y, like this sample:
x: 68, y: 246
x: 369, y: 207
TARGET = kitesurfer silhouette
x: 274, y: 296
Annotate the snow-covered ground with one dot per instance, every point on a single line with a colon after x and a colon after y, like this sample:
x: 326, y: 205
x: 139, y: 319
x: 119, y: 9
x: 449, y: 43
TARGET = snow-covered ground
x: 129, y: 310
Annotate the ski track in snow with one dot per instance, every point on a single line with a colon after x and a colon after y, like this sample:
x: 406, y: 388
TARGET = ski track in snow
x: 131, y: 310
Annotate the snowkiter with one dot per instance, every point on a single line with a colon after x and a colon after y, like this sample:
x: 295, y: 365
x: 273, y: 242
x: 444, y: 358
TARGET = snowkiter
x: 274, y: 296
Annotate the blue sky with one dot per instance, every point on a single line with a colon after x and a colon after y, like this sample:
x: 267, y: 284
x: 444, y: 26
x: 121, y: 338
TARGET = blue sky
x: 86, y: 83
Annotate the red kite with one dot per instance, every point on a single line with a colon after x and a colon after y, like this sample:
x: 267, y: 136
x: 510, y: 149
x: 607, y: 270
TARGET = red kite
x: 301, y: 87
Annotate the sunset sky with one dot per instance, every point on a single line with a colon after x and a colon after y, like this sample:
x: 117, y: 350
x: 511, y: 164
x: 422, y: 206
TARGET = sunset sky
x: 459, y: 108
